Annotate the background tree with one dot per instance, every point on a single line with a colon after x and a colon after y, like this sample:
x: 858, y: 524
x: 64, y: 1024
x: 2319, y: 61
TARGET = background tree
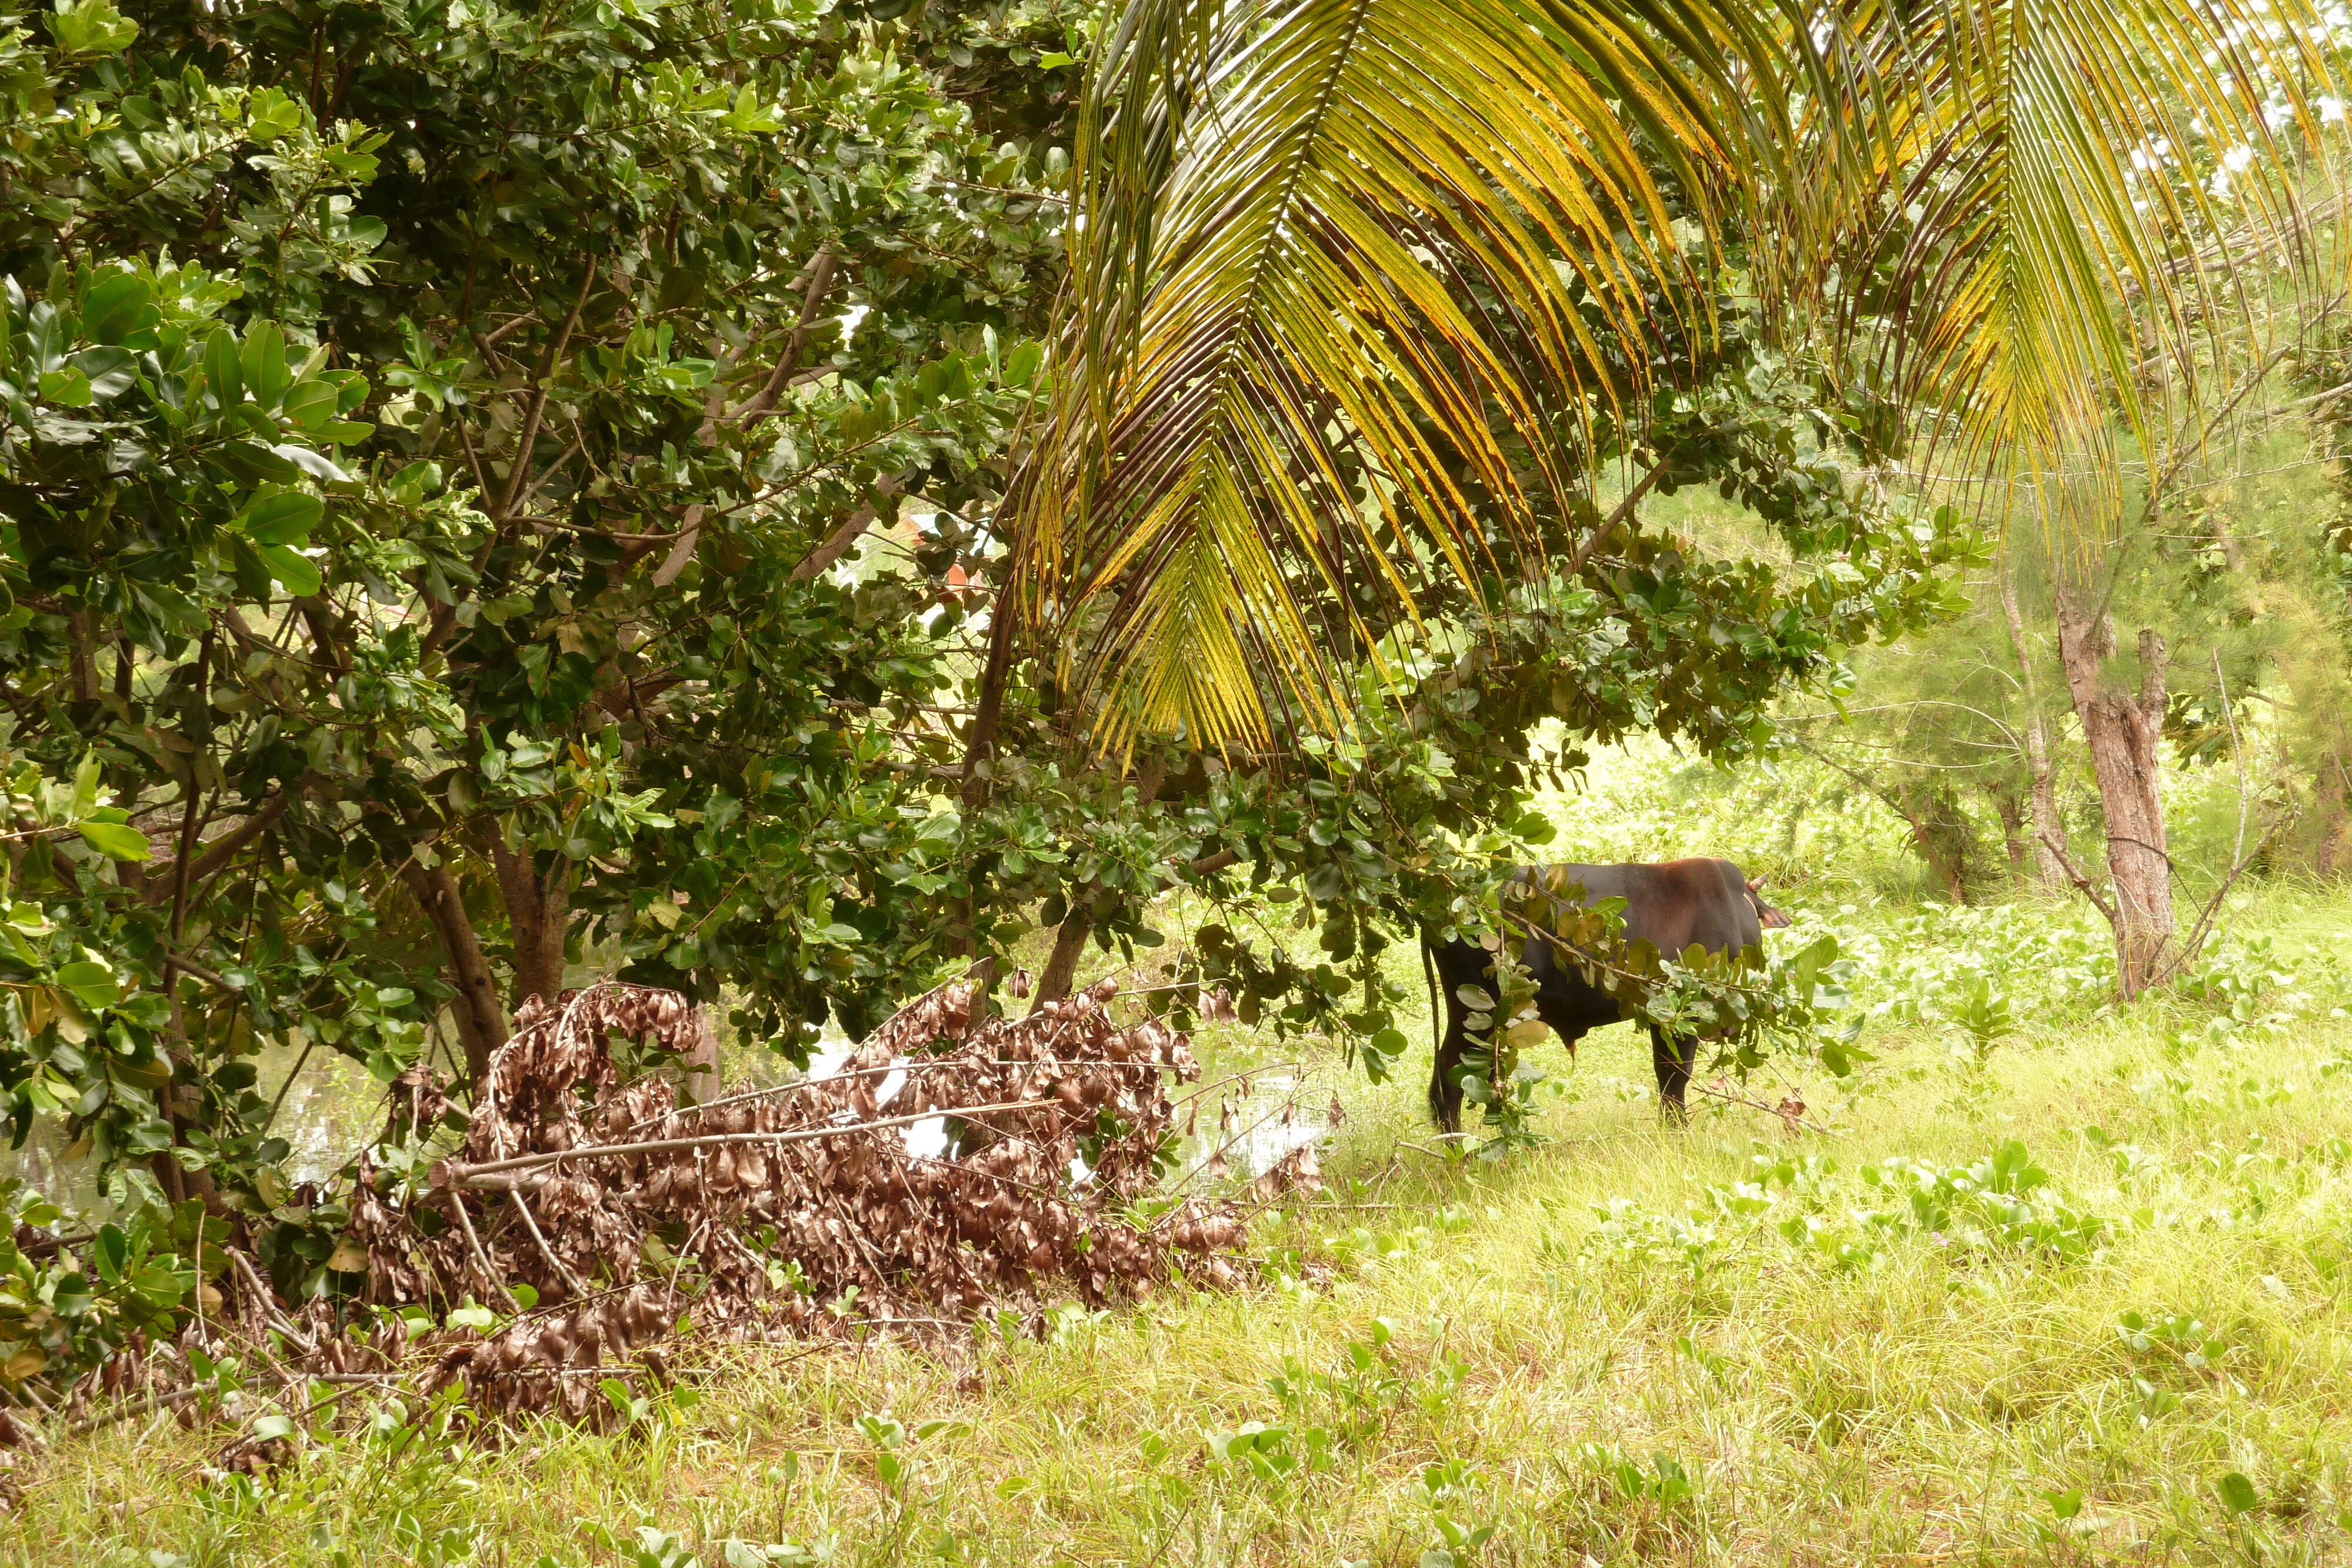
x: 2069, y: 256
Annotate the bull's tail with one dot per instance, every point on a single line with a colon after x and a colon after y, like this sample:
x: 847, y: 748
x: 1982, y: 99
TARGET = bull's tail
x: 1438, y: 1108
x: 1429, y: 974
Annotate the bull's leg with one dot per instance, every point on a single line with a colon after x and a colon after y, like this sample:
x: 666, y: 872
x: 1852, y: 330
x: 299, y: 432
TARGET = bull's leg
x: 1671, y: 1055
x: 1445, y: 1087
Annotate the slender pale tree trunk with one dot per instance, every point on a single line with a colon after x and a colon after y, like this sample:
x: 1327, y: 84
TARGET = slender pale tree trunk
x: 2124, y: 733
x: 980, y: 752
x: 699, y: 1085
x: 2041, y: 796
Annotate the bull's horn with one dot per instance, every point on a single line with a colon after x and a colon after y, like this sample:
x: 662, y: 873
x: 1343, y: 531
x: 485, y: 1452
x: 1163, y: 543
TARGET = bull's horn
x: 1755, y: 885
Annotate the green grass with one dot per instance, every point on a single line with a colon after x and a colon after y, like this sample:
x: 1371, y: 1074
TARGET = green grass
x: 1582, y: 1350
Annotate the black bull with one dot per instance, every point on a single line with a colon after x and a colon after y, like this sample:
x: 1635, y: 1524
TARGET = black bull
x: 1670, y: 906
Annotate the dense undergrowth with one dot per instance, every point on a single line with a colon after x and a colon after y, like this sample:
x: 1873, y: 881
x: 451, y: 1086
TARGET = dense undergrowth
x: 2061, y: 1284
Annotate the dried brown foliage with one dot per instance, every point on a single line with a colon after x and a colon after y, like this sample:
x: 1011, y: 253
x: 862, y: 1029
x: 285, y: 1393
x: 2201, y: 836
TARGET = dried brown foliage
x: 801, y: 1219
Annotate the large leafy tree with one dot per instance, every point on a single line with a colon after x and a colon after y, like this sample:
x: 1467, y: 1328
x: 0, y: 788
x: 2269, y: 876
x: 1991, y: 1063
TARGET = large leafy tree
x: 429, y: 434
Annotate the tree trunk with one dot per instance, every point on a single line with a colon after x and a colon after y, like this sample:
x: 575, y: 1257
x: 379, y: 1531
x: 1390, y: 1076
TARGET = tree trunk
x: 2010, y: 809
x: 1941, y: 834
x: 180, y: 1100
x: 538, y: 911
x: 81, y: 656
x: 1062, y: 968
x: 2042, y: 795
x: 701, y: 1061
x: 481, y: 1022
x: 2334, y: 795
x: 980, y: 756
x: 2049, y: 827
x: 2125, y: 734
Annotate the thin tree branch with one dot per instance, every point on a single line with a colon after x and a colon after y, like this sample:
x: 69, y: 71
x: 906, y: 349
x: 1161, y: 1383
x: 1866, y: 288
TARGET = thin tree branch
x: 571, y: 1284
x: 218, y: 852
x: 481, y: 1254
x: 2075, y: 874
x: 501, y: 334
x: 1789, y: 1119
x: 186, y: 860
x: 519, y: 474
x: 822, y: 559
x: 1608, y: 525
x: 764, y: 402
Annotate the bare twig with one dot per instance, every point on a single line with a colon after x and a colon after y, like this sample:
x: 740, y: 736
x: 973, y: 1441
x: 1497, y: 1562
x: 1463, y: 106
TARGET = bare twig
x: 481, y: 1255
x: 2089, y: 889
x: 1715, y: 1092
x: 2237, y: 754
x: 518, y: 474
x: 572, y: 1286
x: 1288, y: 1103
x: 1204, y: 1090
x: 910, y: 1067
x: 100, y: 1420
x: 310, y: 1043
x: 262, y: 1299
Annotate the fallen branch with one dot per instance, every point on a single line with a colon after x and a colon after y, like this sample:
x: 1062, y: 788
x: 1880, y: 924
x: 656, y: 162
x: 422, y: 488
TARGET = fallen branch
x: 268, y: 1307
x: 152, y: 1404
x: 996, y: 1223
x: 777, y: 1091
x: 447, y: 1174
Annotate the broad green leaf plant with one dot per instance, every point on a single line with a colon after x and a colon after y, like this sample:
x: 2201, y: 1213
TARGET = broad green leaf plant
x: 483, y: 493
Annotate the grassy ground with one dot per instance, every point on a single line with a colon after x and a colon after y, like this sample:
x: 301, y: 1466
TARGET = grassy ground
x: 1729, y: 1343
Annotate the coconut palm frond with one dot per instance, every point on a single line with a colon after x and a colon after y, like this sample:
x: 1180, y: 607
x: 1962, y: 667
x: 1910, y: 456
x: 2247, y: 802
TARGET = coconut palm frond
x: 2066, y: 205
x: 1351, y: 279
x: 1360, y: 290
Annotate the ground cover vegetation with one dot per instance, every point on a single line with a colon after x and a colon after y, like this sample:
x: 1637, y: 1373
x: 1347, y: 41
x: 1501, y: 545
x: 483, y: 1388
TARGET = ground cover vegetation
x: 539, y: 538
x: 2070, y: 1294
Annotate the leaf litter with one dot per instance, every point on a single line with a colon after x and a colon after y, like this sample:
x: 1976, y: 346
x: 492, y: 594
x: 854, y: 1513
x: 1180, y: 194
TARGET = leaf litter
x: 611, y: 1226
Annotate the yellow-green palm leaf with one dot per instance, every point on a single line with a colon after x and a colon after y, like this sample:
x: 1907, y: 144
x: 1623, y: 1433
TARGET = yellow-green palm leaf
x: 1410, y: 230
x: 1407, y: 227
x: 2048, y: 213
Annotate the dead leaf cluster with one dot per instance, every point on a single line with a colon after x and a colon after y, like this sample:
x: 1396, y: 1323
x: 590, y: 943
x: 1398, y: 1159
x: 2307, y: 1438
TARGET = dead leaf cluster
x: 958, y: 1163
